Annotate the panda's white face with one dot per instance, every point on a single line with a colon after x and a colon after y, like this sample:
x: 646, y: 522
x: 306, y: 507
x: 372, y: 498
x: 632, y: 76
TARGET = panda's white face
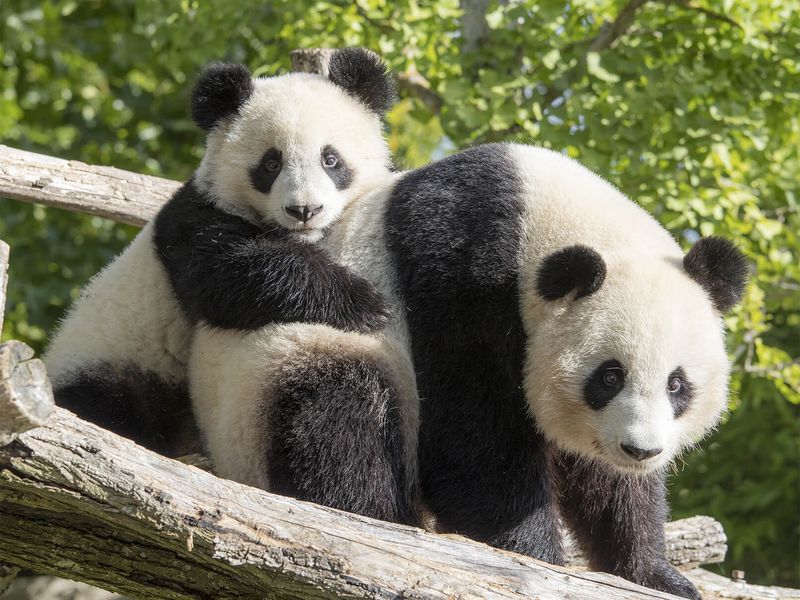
x: 632, y: 374
x: 296, y: 153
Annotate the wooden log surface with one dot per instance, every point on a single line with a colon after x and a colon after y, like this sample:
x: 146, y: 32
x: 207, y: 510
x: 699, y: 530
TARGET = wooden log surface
x: 103, y: 191
x: 26, y: 396
x: 4, y: 251
x: 78, y: 501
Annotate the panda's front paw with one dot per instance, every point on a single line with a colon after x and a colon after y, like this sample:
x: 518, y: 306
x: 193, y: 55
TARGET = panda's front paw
x: 666, y: 578
x: 370, y: 312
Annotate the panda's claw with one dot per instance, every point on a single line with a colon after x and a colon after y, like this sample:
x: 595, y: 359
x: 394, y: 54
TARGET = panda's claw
x: 667, y: 578
x: 370, y: 312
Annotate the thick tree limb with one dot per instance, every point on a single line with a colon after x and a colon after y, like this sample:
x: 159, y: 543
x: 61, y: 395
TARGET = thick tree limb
x: 3, y: 279
x: 26, y: 397
x: 80, y: 502
x: 103, y: 191
x: 7, y: 576
x: 474, y: 27
x: 312, y: 60
x: 714, y: 586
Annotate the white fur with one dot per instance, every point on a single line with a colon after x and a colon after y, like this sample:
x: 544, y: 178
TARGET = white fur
x: 126, y: 313
x: 648, y: 314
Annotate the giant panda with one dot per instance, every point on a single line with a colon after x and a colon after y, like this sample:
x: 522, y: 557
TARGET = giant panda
x: 556, y: 346
x: 284, y: 156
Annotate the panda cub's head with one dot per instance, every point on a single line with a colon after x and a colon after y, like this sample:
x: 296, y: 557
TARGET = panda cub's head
x: 295, y: 149
x: 628, y: 365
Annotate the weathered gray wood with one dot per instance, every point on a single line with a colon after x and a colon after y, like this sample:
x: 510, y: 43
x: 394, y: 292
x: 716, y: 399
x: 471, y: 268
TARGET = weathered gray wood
x: 716, y: 587
x: 7, y: 576
x: 80, y: 502
x: 312, y: 60
x: 103, y: 191
x: 26, y: 396
x: 4, y: 250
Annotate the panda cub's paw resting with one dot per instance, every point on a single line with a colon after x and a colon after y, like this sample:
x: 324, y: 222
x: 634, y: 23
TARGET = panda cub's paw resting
x: 666, y: 578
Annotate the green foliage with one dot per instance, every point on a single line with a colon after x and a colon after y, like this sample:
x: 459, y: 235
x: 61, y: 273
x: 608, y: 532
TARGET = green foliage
x: 692, y: 112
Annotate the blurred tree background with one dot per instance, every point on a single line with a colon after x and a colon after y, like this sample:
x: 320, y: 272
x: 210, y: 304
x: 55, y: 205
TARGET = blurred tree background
x: 689, y: 106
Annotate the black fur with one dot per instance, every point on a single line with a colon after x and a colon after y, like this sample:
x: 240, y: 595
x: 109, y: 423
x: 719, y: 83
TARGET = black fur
x: 263, y: 175
x: 619, y: 522
x: 365, y: 77
x: 342, y: 174
x: 572, y: 268
x: 220, y: 92
x: 337, y: 438
x: 453, y: 230
x: 135, y: 404
x: 235, y: 275
x: 681, y: 400
x: 596, y: 391
x: 720, y: 268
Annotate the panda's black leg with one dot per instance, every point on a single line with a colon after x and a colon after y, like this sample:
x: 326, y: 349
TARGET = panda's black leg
x: 337, y: 438
x: 619, y: 520
x: 133, y: 403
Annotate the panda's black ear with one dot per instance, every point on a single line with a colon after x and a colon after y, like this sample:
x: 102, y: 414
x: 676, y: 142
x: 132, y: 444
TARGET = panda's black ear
x: 572, y: 268
x: 219, y: 92
x: 365, y: 76
x: 720, y: 268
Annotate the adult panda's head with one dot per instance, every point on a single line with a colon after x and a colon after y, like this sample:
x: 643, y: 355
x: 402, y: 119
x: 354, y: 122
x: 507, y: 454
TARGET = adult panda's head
x: 295, y: 149
x: 627, y: 363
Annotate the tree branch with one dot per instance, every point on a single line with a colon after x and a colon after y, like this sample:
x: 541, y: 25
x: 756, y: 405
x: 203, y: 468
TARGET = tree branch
x: 711, y: 14
x: 81, y: 502
x: 103, y: 191
x: 4, y: 250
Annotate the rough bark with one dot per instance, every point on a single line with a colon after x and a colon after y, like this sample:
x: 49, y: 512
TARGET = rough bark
x: 26, y: 397
x: 103, y: 191
x: 716, y: 587
x: 7, y: 576
x: 312, y: 60
x: 4, y: 250
x: 80, y: 502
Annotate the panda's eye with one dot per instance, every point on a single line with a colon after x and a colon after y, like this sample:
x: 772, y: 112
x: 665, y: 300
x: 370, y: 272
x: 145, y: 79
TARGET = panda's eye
x: 272, y: 165
x: 675, y: 385
x: 329, y: 161
x: 612, y: 377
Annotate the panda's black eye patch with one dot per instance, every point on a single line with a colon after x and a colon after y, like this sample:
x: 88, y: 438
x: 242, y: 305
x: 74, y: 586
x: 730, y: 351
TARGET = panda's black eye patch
x: 335, y: 166
x: 680, y: 391
x: 605, y: 382
x: 264, y: 174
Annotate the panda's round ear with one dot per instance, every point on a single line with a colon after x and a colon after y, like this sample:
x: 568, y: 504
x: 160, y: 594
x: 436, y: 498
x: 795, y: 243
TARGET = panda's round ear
x: 219, y: 92
x: 720, y: 268
x: 365, y: 77
x: 572, y: 268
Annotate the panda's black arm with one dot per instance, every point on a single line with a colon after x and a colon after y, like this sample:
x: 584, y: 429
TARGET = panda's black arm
x: 232, y: 274
x: 619, y: 522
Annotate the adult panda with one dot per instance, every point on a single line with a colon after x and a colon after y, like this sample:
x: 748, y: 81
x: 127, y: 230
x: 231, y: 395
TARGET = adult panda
x: 564, y: 349
x: 233, y: 247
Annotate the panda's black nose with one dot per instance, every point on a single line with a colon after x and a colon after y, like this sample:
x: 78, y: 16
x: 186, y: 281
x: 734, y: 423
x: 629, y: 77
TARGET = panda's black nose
x: 640, y: 453
x: 303, y: 213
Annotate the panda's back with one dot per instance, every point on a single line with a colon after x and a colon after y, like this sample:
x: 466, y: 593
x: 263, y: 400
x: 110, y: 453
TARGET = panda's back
x: 126, y: 314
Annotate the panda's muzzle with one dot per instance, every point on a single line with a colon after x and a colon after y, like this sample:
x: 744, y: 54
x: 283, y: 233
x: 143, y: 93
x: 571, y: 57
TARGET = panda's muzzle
x: 303, y: 213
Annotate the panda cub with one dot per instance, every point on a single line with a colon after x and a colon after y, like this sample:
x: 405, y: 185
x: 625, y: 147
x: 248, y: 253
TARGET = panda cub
x: 234, y: 247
